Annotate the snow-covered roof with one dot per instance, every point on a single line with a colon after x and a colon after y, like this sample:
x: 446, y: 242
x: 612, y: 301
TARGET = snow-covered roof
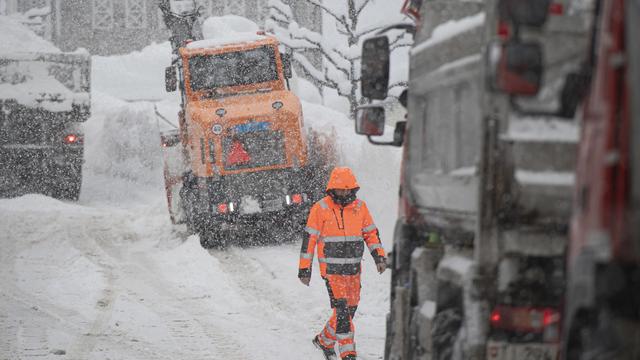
x: 25, y: 75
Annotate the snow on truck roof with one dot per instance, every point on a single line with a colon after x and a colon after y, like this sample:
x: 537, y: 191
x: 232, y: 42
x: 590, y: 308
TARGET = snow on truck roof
x: 238, y: 38
x: 226, y: 30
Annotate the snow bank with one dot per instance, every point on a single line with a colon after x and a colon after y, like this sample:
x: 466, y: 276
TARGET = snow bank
x: 16, y: 37
x: 122, y: 152
x: 135, y: 76
x: 224, y: 30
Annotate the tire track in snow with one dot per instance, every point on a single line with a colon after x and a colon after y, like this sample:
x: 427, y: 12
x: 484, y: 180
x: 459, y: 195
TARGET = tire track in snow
x: 196, y: 338
x: 195, y: 322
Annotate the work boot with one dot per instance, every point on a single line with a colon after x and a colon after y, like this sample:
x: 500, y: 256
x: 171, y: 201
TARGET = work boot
x: 349, y: 357
x: 328, y: 353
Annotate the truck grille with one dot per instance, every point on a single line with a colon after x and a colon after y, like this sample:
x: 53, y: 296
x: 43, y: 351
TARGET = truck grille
x: 253, y: 150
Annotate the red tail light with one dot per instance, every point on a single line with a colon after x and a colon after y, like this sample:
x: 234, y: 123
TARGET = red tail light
x: 523, y: 319
x: 238, y: 154
x: 296, y: 198
x: 503, y: 30
x: 495, y: 318
x: 556, y: 9
x: 223, y: 208
x: 72, y: 139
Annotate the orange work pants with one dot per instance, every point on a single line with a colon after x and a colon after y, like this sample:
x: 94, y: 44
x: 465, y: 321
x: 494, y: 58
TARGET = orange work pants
x: 344, y: 293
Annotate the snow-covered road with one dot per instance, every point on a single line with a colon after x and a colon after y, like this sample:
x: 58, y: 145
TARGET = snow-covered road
x: 104, y: 282
x: 109, y: 277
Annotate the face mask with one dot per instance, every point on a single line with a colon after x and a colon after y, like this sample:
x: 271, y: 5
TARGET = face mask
x: 343, y: 200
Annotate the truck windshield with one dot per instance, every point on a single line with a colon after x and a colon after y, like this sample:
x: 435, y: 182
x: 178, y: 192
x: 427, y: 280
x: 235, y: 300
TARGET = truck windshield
x: 231, y: 69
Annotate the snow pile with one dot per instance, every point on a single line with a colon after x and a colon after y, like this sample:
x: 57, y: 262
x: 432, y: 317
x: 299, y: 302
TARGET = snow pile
x: 135, y: 76
x: 122, y: 152
x: 224, y: 30
x: 16, y: 37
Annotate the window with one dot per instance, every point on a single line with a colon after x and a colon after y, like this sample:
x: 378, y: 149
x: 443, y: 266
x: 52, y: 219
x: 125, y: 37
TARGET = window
x: 136, y: 14
x: 102, y: 14
x: 232, y: 69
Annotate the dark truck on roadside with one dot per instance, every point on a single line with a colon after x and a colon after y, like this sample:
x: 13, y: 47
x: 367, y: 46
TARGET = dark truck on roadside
x: 44, y: 99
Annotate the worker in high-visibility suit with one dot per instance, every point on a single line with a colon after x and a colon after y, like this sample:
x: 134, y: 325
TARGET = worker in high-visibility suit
x: 339, y: 226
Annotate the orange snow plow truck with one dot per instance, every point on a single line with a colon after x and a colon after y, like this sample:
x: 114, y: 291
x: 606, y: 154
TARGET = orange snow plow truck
x: 241, y: 161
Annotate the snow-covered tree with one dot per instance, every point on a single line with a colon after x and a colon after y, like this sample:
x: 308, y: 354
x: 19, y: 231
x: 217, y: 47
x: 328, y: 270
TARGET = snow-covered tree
x: 339, y: 68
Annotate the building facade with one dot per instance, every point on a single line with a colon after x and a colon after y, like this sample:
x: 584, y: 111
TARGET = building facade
x: 109, y: 27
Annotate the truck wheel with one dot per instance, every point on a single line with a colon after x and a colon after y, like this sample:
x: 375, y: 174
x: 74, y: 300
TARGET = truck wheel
x: 446, y: 326
x: 187, y: 200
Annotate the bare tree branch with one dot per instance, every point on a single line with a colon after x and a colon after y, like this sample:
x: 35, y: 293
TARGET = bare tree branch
x: 364, y: 5
x: 366, y: 32
x: 340, y: 19
x: 326, y: 54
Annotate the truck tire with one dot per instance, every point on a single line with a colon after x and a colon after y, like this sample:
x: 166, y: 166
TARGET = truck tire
x: 187, y: 200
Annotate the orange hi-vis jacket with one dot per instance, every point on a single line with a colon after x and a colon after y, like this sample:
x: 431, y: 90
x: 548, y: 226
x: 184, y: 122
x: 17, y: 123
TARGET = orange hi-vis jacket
x: 339, y: 234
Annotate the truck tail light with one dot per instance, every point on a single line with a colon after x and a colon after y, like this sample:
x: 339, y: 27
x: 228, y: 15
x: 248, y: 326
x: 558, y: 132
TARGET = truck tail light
x: 223, y: 208
x: 296, y: 198
x: 504, y: 31
x: 527, y: 319
x: 226, y: 208
x: 73, y: 139
x: 556, y: 9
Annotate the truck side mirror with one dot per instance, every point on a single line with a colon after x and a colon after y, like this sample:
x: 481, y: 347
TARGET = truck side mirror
x: 170, y: 79
x: 375, y: 68
x: 286, y: 65
x: 515, y: 67
x: 370, y: 120
x: 525, y: 12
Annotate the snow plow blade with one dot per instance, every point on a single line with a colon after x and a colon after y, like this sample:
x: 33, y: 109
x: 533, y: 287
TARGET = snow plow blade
x: 174, y: 168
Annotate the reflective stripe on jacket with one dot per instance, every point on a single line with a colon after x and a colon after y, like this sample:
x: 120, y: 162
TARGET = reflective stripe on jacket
x: 340, y: 235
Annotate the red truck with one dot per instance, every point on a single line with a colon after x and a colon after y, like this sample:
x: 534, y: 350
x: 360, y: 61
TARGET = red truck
x: 602, y: 313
